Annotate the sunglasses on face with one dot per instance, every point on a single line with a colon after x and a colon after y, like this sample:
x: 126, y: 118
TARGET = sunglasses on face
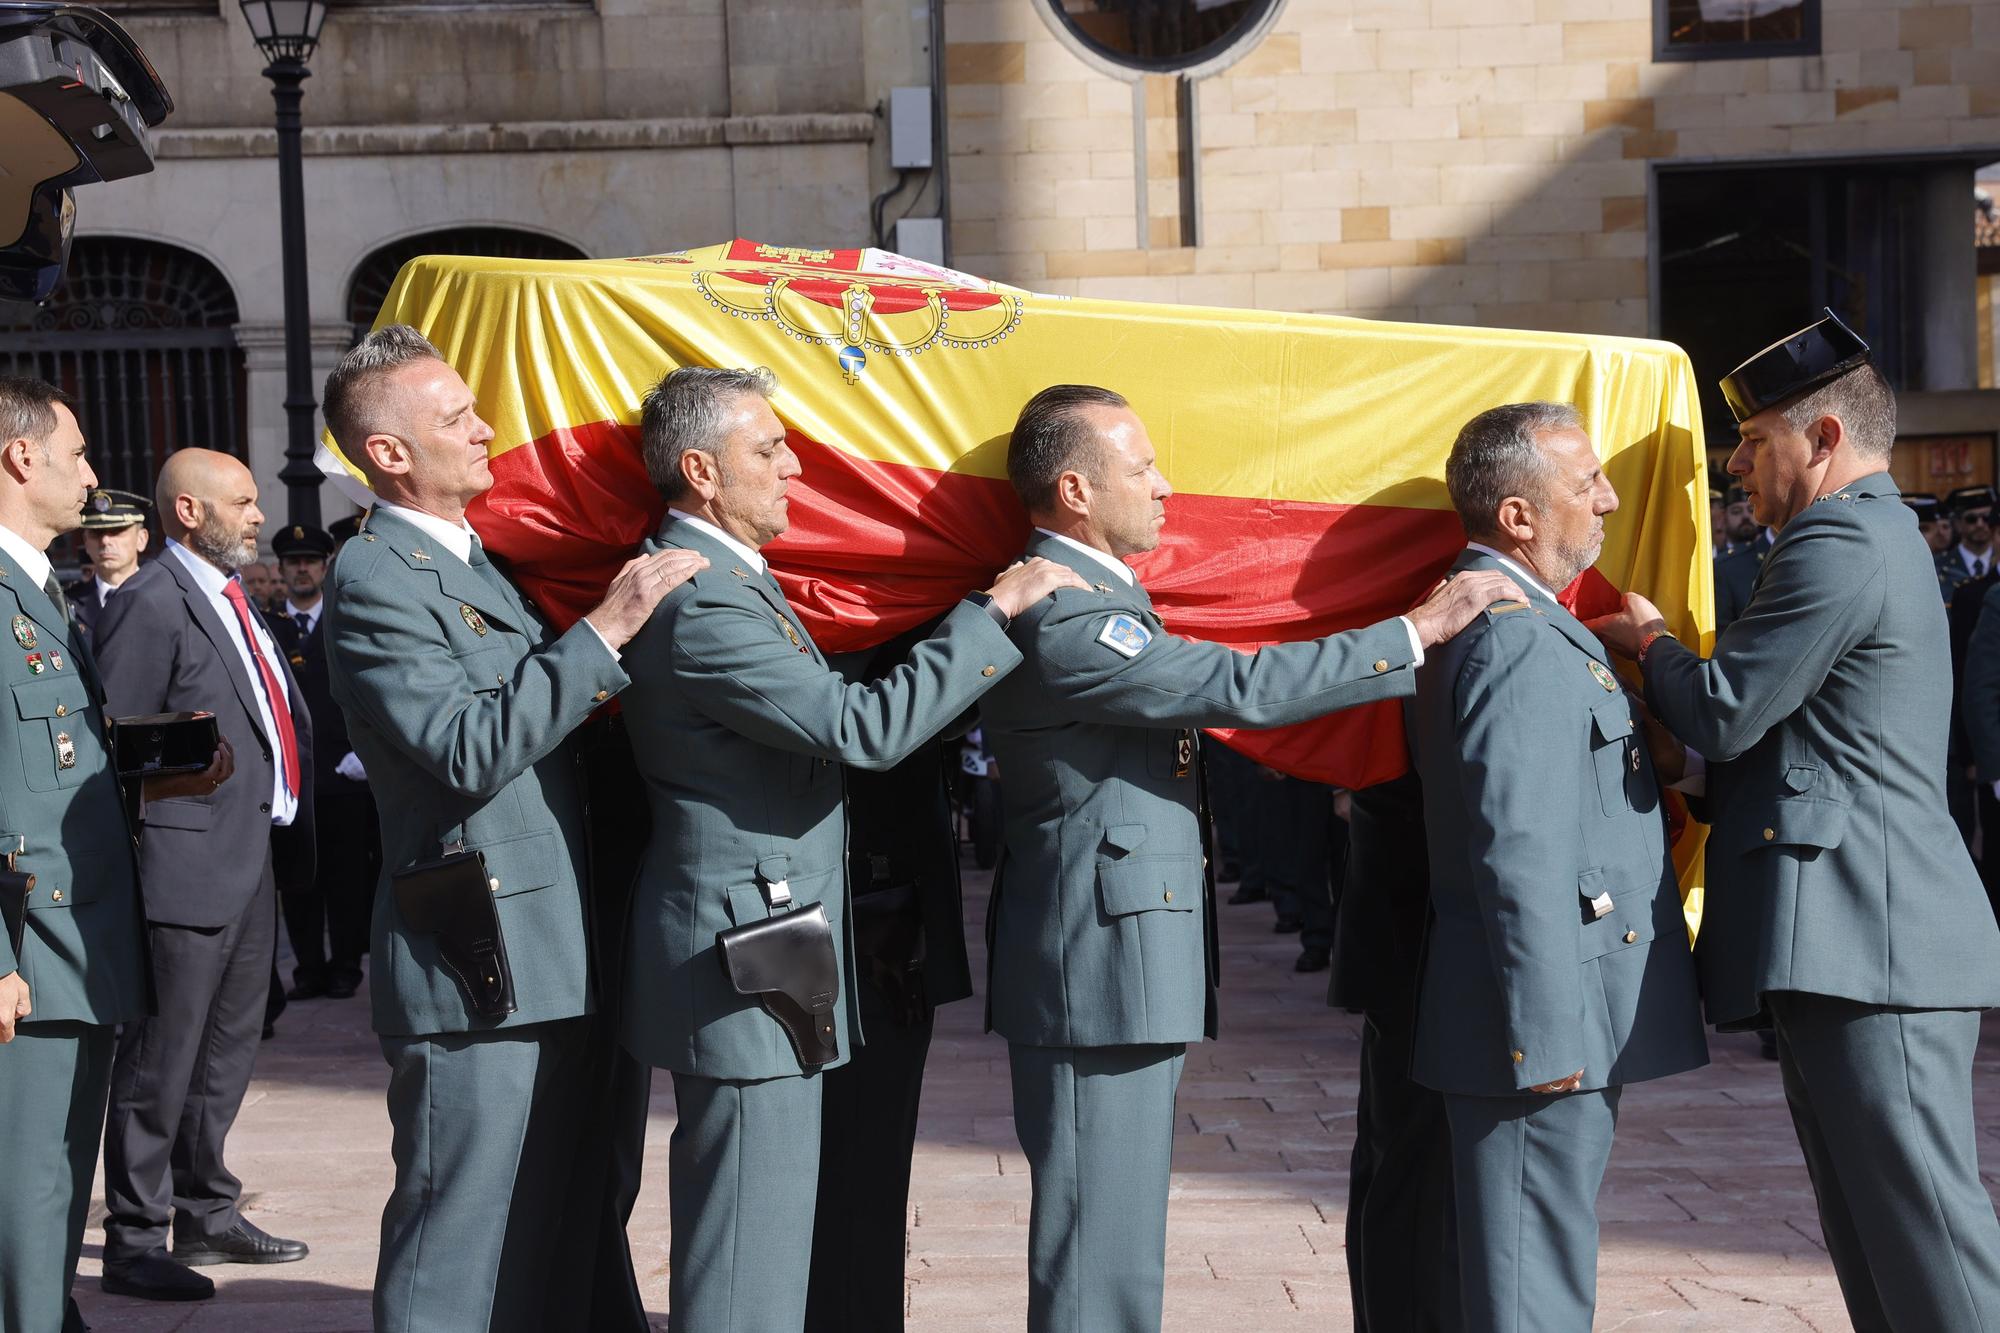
x: 1983, y: 517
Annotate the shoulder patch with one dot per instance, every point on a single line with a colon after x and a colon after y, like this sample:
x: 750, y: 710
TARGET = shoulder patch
x: 1124, y: 635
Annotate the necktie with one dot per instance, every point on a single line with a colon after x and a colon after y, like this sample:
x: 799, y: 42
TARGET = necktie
x: 281, y: 708
x: 55, y: 592
x: 1978, y: 567
x: 304, y: 622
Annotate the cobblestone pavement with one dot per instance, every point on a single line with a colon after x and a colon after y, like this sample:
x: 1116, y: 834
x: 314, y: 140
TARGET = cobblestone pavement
x: 1707, y: 1214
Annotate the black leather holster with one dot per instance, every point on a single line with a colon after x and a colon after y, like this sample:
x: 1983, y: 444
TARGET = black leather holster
x: 452, y: 898
x: 15, y: 886
x: 787, y: 962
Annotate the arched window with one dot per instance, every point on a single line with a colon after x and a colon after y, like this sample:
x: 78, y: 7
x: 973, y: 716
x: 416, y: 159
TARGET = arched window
x: 377, y: 273
x: 143, y: 336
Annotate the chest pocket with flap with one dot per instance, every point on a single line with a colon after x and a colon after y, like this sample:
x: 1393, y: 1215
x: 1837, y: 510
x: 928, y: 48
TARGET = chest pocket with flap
x: 57, y: 747
x: 1617, y: 755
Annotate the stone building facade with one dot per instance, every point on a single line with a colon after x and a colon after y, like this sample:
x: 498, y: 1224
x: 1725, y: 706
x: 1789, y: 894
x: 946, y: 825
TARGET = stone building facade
x: 1539, y: 163
x: 1529, y: 163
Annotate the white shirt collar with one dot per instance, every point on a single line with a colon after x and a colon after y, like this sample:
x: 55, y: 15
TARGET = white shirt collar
x: 294, y: 611
x: 35, y: 564
x: 1105, y: 558
x: 211, y: 580
x: 1966, y: 556
x: 104, y: 590
x: 1513, y: 567
x: 709, y: 529
x: 454, y: 537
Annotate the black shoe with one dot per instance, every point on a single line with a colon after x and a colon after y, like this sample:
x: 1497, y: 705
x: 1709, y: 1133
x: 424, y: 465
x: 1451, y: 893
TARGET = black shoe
x: 1288, y: 925
x: 154, y: 1276
x: 1313, y: 960
x: 1248, y: 893
x: 307, y: 986
x: 342, y: 984
x: 270, y: 1031
x: 1767, y: 1043
x: 241, y: 1244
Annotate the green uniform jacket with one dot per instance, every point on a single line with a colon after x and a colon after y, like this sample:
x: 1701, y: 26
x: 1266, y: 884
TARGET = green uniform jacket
x: 1833, y: 865
x: 459, y: 702
x: 84, y: 953
x: 739, y: 728
x: 1100, y: 935
x: 1539, y: 798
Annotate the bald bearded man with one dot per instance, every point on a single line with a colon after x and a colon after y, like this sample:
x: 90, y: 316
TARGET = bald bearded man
x: 183, y: 634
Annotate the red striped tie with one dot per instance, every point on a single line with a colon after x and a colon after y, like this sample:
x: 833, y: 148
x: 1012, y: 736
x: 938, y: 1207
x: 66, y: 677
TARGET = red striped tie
x: 281, y: 708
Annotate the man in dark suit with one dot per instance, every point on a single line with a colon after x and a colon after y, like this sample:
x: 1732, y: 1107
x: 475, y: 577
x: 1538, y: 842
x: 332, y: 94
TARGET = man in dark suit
x: 330, y: 896
x: 1402, y: 1243
x: 909, y: 944
x: 114, y: 537
x: 181, y: 635
x: 1736, y: 569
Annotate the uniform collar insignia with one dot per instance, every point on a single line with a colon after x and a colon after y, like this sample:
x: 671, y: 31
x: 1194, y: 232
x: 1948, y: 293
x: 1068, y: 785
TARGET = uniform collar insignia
x: 418, y: 553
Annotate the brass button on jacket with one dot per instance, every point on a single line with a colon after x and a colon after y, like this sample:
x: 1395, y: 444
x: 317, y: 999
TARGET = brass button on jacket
x: 1631, y: 937
x: 601, y: 695
x: 1770, y: 834
x: 987, y: 671
x: 1382, y: 664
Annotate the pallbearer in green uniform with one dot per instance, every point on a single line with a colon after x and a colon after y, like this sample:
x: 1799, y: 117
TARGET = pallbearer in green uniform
x: 739, y: 728
x: 1101, y: 966
x: 1557, y: 967
x: 81, y: 967
x: 460, y: 701
x: 1839, y: 902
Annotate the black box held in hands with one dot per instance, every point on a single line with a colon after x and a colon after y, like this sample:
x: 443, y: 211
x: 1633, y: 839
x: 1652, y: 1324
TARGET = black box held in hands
x: 155, y: 744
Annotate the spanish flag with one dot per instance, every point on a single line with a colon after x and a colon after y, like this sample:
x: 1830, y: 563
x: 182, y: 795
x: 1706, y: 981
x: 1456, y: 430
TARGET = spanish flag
x: 1307, y: 452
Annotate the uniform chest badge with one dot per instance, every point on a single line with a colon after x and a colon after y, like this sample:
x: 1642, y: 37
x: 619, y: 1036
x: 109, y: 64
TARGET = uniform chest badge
x: 24, y: 633
x: 793, y: 635
x: 35, y: 666
x: 473, y: 620
x: 1604, y: 676
x: 65, y: 751
x: 55, y: 659
x: 1124, y: 635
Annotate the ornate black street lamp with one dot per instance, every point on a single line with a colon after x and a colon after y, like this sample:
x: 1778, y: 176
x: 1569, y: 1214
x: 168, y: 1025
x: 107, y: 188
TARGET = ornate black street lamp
x: 287, y: 31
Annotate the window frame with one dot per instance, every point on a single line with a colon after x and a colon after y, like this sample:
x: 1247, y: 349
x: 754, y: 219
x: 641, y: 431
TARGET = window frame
x: 1807, y: 45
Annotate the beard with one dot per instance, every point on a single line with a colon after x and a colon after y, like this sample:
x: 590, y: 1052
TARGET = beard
x: 1574, y: 560
x: 228, y: 549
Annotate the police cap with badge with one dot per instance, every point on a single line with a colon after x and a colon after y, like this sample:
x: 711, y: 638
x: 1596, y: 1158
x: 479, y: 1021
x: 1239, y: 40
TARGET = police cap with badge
x: 302, y: 540
x: 1796, y: 364
x: 106, y: 510
x: 1925, y: 506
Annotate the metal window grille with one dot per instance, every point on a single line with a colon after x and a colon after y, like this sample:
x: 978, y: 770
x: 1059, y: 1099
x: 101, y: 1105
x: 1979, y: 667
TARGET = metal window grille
x: 143, y: 336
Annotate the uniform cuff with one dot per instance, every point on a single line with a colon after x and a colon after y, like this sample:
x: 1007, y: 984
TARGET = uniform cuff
x: 606, y: 642
x: 1416, y: 641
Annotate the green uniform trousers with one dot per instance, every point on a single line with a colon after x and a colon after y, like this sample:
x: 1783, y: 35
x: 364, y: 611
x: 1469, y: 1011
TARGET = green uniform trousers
x: 1882, y: 1101
x: 1525, y: 1172
x: 1097, y: 1125
x: 487, y: 1128
x: 742, y: 1183
x: 51, y: 1074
